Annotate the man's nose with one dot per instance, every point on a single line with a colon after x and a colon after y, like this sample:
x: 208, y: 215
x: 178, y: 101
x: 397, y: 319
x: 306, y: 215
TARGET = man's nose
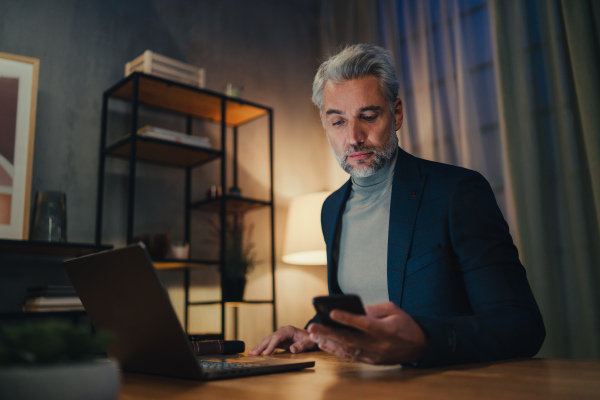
x: 356, y: 134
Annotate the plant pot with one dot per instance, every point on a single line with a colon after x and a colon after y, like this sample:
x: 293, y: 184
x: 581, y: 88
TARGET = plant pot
x: 233, y: 289
x: 86, y: 380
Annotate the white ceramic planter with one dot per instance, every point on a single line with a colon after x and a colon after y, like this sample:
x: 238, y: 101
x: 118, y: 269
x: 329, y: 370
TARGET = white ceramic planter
x: 98, y: 380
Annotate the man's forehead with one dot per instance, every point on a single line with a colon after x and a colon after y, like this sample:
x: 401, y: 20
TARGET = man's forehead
x: 352, y: 95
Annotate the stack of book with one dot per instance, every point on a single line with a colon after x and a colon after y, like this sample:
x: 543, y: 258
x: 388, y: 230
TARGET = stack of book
x: 52, y: 298
x: 178, y: 137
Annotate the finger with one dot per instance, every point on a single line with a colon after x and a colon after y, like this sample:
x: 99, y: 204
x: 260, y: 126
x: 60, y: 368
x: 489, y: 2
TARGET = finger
x: 368, y: 331
x: 345, y: 337
x: 332, y: 346
x: 381, y: 310
x: 356, y: 352
x: 259, y: 347
x: 268, y: 344
x: 272, y: 345
x: 364, y: 357
x: 302, y: 345
x: 320, y: 329
x: 282, y: 337
x: 360, y: 322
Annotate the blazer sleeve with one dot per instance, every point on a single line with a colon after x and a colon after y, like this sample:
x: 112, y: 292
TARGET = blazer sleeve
x: 506, y: 321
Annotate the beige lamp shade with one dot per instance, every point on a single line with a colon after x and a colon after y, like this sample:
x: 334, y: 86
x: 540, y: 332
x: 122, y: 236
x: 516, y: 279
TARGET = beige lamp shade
x: 304, y: 244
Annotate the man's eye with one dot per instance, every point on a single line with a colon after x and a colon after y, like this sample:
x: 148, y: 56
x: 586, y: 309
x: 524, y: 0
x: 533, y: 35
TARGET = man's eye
x: 369, y: 117
x: 337, y: 123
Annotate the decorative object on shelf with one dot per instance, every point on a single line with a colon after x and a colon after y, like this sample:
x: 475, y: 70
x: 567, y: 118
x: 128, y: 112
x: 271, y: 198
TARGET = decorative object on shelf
x: 53, y: 359
x: 234, y: 288
x: 240, y: 257
x: 213, y: 192
x: 233, y: 91
x: 18, y: 103
x: 52, y: 298
x: 49, y: 222
x: 180, y: 250
x: 235, y: 191
x: 304, y: 244
x: 43, y: 304
x: 157, y: 244
x: 166, y: 134
x: 164, y: 67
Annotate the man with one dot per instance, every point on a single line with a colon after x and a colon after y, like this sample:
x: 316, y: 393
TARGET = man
x: 424, y: 244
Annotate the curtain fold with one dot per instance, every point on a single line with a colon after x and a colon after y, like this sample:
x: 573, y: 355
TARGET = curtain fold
x: 582, y: 26
x: 551, y: 176
x: 347, y: 22
x: 447, y: 83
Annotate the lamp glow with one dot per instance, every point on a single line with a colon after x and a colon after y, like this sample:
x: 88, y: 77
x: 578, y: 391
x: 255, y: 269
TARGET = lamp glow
x: 304, y: 244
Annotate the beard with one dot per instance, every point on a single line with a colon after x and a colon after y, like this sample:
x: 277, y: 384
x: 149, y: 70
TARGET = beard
x: 366, y: 168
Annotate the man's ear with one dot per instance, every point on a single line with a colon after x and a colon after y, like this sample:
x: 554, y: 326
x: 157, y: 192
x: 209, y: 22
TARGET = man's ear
x: 398, y: 115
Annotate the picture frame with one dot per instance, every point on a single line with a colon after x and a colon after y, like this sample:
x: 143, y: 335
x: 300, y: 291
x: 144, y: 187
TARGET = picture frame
x: 18, y: 105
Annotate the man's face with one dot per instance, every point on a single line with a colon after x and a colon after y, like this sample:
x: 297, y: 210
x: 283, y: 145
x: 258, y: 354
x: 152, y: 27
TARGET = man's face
x: 359, y: 124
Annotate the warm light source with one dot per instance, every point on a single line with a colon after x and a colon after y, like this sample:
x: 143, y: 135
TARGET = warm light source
x: 304, y: 244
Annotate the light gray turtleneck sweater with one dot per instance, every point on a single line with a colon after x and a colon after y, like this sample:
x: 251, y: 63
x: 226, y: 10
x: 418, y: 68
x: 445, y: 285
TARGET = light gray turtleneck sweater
x: 363, y: 240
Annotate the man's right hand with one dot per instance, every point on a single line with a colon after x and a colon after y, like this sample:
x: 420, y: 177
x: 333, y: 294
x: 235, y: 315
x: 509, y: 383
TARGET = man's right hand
x: 288, y: 338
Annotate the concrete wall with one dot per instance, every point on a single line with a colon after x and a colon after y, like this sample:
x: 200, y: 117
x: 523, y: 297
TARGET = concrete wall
x: 268, y: 47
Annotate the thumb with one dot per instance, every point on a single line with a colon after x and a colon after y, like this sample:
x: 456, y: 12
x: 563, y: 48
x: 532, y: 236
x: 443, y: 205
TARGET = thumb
x: 302, y: 345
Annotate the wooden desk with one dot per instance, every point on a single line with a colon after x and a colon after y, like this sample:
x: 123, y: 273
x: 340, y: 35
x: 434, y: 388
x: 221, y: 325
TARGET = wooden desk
x: 332, y: 378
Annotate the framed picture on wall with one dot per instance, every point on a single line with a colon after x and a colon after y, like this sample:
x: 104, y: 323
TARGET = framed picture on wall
x: 18, y: 102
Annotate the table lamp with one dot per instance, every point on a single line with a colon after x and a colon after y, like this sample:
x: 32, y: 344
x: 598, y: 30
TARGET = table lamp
x: 304, y: 244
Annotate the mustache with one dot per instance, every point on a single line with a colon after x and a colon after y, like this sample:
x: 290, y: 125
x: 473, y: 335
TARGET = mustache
x: 359, y: 147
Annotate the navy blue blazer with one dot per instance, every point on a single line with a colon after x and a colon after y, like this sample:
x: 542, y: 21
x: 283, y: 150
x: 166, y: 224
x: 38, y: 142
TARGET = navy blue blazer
x: 451, y: 264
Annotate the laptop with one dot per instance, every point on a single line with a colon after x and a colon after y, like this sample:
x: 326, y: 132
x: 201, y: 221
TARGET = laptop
x: 122, y: 292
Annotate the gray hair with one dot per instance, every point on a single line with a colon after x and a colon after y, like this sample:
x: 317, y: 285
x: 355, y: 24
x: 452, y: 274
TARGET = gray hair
x: 357, y: 61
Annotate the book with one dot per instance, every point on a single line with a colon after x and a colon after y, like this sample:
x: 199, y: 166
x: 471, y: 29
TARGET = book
x: 209, y: 347
x: 165, y: 134
x: 51, y: 291
x: 53, y: 301
x: 168, y: 68
x: 52, y: 298
x: 52, y: 308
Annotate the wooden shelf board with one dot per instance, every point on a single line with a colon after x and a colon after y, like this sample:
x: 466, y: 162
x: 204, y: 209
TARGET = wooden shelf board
x: 163, y: 151
x: 174, y: 264
x: 235, y: 304
x: 232, y: 304
x: 233, y: 204
x: 186, y: 99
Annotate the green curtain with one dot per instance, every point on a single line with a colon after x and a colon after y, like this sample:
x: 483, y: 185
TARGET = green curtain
x: 582, y: 25
x: 547, y: 54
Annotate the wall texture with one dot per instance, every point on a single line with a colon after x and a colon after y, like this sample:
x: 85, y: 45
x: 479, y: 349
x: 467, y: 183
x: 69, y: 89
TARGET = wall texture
x: 269, y: 47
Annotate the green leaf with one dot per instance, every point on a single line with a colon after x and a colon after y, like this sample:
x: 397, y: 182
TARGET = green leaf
x: 49, y: 341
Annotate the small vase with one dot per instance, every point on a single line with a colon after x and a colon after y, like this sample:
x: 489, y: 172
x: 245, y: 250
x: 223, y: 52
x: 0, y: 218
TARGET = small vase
x: 49, y: 217
x: 233, y: 289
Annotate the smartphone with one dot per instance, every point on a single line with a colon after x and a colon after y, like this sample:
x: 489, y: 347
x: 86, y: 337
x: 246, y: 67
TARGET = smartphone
x: 346, y: 302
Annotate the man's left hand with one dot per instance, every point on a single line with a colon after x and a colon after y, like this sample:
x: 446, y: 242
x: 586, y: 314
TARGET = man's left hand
x: 385, y: 335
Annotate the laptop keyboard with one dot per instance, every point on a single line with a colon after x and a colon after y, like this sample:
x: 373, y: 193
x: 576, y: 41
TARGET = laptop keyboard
x: 224, y: 366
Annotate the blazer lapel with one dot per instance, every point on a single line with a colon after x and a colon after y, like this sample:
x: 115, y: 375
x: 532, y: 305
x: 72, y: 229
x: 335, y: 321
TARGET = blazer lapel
x: 407, y: 191
x: 331, y: 214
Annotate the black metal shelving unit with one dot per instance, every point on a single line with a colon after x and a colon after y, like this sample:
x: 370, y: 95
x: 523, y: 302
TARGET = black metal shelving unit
x: 194, y: 104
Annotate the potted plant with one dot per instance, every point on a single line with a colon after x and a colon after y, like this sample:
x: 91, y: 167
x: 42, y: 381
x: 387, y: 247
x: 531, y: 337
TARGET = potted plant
x: 53, y: 359
x: 240, y: 256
